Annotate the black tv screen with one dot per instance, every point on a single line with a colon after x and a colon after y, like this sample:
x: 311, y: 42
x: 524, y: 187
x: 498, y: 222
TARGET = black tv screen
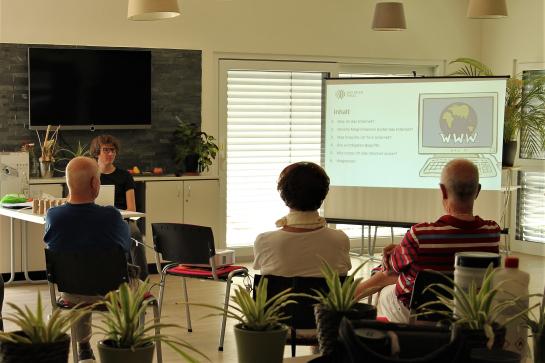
x: 89, y: 88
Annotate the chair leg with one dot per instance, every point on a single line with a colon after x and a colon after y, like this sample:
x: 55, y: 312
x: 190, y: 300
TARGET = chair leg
x: 74, y: 343
x: 161, y: 291
x: 157, y: 321
x: 186, y: 299
x: 224, y: 318
x: 293, y: 341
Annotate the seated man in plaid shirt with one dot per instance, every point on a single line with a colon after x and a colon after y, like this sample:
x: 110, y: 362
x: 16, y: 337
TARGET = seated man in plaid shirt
x: 433, y: 245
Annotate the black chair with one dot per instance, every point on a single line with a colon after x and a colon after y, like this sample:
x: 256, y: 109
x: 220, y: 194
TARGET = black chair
x: 190, y: 253
x: 1, y: 301
x: 418, y: 297
x: 302, y: 313
x: 92, y: 273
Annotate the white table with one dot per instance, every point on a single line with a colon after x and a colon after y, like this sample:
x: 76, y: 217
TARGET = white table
x: 25, y: 215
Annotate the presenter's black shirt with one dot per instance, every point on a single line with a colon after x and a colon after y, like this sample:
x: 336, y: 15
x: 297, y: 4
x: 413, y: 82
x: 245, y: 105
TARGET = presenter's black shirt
x: 123, y: 181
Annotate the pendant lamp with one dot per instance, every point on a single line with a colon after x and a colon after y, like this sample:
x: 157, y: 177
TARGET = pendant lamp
x: 486, y: 9
x: 389, y: 16
x: 152, y: 9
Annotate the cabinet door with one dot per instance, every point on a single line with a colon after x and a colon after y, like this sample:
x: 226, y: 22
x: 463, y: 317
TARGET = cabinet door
x: 201, y: 201
x: 35, y: 232
x: 164, y: 203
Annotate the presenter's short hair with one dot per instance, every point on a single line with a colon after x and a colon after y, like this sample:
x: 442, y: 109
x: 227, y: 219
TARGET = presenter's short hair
x: 100, y: 140
x: 303, y: 186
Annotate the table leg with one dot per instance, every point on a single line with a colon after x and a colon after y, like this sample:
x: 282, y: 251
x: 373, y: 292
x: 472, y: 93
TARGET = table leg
x: 24, y: 243
x: 12, y: 251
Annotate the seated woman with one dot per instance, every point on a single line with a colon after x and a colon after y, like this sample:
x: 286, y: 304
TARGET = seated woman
x: 104, y: 149
x: 303, y: 239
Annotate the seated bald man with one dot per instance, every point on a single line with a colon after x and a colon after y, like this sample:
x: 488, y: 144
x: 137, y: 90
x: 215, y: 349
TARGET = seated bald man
x: 433, y: 245
x: 80, y: 225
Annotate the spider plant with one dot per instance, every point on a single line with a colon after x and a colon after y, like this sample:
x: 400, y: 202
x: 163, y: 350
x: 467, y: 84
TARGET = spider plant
x: 474, y: 309
x: 122, y: 328
x: 524, y: 106
x: 36, y: 328
x: 341, y: 296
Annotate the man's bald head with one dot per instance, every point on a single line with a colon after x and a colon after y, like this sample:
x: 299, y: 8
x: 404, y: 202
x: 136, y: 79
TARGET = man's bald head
x: 83, y: 179
x: 460, y: 178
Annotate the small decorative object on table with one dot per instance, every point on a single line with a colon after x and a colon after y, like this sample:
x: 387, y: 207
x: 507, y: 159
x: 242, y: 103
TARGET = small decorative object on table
x: 48, y: 147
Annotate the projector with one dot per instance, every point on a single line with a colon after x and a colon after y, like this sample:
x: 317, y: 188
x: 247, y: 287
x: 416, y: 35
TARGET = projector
x: 224, y: 257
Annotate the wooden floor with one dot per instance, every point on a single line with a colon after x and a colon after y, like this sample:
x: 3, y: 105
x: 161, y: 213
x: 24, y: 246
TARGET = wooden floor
x: 205, y: 333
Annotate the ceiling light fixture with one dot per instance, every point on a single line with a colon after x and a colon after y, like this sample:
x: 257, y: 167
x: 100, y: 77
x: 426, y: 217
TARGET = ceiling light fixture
x: 486, y: 9
x: 152, y: 9
x: 389, y: 16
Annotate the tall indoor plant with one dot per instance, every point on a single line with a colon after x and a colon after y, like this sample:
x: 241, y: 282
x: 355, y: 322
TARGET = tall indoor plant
x: 338, y: 302
x: 193, y: 149
x: 39, y: 339
x: 536, y: 323
x: 524, y: 109
x: 125, y: 338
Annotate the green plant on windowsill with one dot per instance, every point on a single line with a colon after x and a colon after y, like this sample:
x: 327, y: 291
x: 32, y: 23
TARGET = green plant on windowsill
x: 524, y: 110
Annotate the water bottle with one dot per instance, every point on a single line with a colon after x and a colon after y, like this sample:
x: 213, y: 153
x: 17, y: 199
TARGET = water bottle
x: 514, y: 284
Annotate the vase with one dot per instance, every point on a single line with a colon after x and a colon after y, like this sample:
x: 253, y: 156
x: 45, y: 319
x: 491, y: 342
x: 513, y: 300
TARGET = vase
x: 509, y: 153
x: 46, y: 169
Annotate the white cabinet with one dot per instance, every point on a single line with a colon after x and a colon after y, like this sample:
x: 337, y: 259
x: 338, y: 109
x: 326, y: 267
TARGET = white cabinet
x: 181, y: 201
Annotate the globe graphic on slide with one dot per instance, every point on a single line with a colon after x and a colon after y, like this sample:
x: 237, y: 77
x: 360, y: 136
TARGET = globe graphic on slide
x: 458, y: 118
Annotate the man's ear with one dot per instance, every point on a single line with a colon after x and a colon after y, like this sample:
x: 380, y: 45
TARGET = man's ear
x: 478, y: 191
x: 443, y: 190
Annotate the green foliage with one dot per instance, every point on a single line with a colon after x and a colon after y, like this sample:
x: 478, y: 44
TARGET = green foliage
x: 188, y: 140
x: 524, y: 111
x: 261, y: 314
x: 536, y: 323
x: 474, y: 308
x: 36, y: 328
x: 341, y: 296
x: 122, y: 323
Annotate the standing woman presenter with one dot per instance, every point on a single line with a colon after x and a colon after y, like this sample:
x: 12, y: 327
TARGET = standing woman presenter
x: 104, y: 149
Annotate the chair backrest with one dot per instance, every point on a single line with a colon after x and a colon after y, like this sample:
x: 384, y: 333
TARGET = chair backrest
x: 302, y: 313
x: 418, y: 297
x: 87, y: 272
x: 183, y: 243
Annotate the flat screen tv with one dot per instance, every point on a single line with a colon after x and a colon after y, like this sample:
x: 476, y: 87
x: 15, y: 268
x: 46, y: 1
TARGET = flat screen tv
x: 89, y: 88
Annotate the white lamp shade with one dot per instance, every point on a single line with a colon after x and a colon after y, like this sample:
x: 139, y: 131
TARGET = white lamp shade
x: 487, y: 9
x: 152, y: 9
x: 389, y: 16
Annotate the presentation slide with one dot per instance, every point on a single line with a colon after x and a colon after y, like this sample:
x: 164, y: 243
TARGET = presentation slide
x: 400, y: 132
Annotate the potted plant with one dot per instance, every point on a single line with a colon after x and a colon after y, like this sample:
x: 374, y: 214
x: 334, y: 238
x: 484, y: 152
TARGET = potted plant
x: 126, y: 340
x: 473, y: 313
x: 68, y: 154
x: 536, y: 324
x: 39, y: 339
x: 524, y: 110
x: 193, y: 148
x: 260, y: 335
x: 48, y: 148
x: 338, y: 302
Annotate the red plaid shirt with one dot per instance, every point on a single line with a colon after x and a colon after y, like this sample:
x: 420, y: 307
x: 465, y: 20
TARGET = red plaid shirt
x: 433, y: 245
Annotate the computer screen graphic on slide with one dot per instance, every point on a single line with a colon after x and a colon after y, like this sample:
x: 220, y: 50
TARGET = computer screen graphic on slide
x: 461, y: 124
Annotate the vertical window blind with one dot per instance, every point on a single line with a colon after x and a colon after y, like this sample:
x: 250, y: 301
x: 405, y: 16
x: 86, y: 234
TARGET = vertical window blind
x: 273, y: 119
x: 531, y: 207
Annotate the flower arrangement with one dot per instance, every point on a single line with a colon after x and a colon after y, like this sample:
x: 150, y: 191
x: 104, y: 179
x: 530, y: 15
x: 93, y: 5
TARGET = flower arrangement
x: 49, y: 144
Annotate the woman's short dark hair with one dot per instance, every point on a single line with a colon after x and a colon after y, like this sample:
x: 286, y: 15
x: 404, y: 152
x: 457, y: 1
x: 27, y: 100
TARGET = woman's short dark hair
x: 303, y: 186
x: 100, y: 140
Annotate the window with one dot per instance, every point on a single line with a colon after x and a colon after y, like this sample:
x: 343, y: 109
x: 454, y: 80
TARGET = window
x: 273, y: 119
x: 531, y: 207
